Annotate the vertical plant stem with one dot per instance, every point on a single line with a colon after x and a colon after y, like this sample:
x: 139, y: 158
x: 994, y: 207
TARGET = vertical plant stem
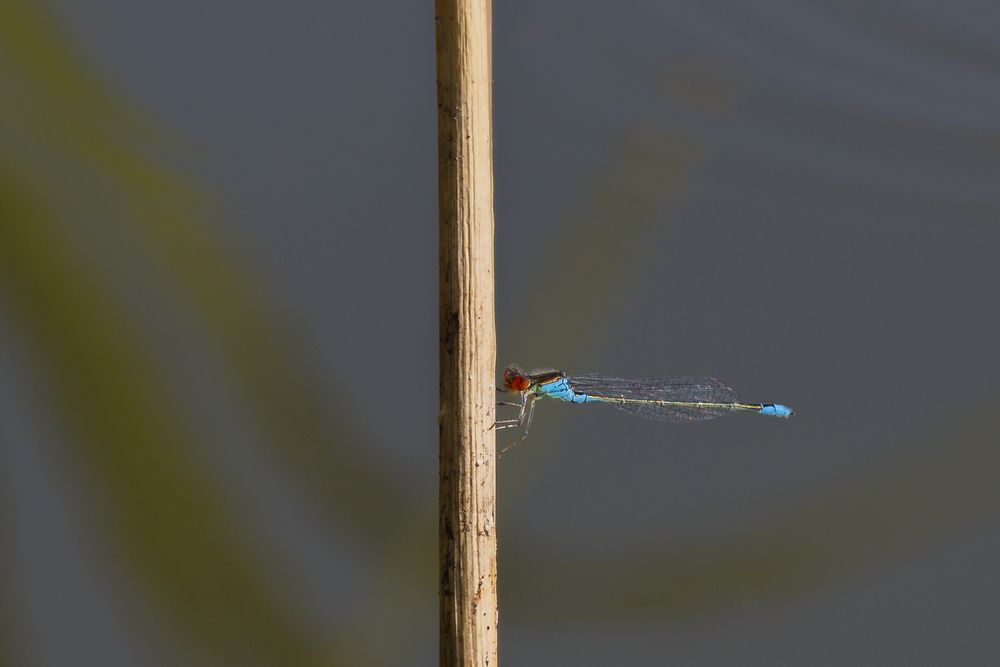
x: 467, y: 528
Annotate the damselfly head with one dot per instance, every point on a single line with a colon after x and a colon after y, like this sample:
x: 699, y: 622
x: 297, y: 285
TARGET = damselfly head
x: 514, y: 379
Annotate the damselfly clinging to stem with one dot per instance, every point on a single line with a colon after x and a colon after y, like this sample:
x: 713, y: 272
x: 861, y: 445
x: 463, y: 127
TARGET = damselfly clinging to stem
x: 674, y: 399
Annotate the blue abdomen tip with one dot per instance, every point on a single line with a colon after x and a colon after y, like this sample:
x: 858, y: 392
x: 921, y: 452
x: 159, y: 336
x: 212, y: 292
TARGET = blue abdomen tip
x: 777, y: 410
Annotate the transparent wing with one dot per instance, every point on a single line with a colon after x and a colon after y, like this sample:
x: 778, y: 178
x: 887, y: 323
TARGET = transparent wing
x: 677, y: 399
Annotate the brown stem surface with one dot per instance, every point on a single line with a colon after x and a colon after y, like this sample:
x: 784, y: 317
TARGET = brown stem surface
x: 467, y: 528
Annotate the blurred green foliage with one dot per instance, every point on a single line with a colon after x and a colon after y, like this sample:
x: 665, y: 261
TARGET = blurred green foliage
x: 67, y: 134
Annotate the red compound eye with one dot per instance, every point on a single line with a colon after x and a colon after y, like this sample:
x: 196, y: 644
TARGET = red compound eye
x: 514, y: 379
x: 519, y: 383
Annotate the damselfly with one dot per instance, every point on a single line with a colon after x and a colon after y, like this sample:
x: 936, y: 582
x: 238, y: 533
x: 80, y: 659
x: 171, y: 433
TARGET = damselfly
x: 675, y: 399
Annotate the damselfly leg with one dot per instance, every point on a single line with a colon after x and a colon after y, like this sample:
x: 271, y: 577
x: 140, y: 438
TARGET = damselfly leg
x: 501, y: 424
x: 527, y: 410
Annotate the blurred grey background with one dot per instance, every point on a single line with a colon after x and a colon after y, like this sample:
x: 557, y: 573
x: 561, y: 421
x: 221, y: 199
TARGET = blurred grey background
x: 218, y: 350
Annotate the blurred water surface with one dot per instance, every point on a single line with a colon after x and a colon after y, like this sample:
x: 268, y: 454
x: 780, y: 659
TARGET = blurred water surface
x: 218, y: 391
